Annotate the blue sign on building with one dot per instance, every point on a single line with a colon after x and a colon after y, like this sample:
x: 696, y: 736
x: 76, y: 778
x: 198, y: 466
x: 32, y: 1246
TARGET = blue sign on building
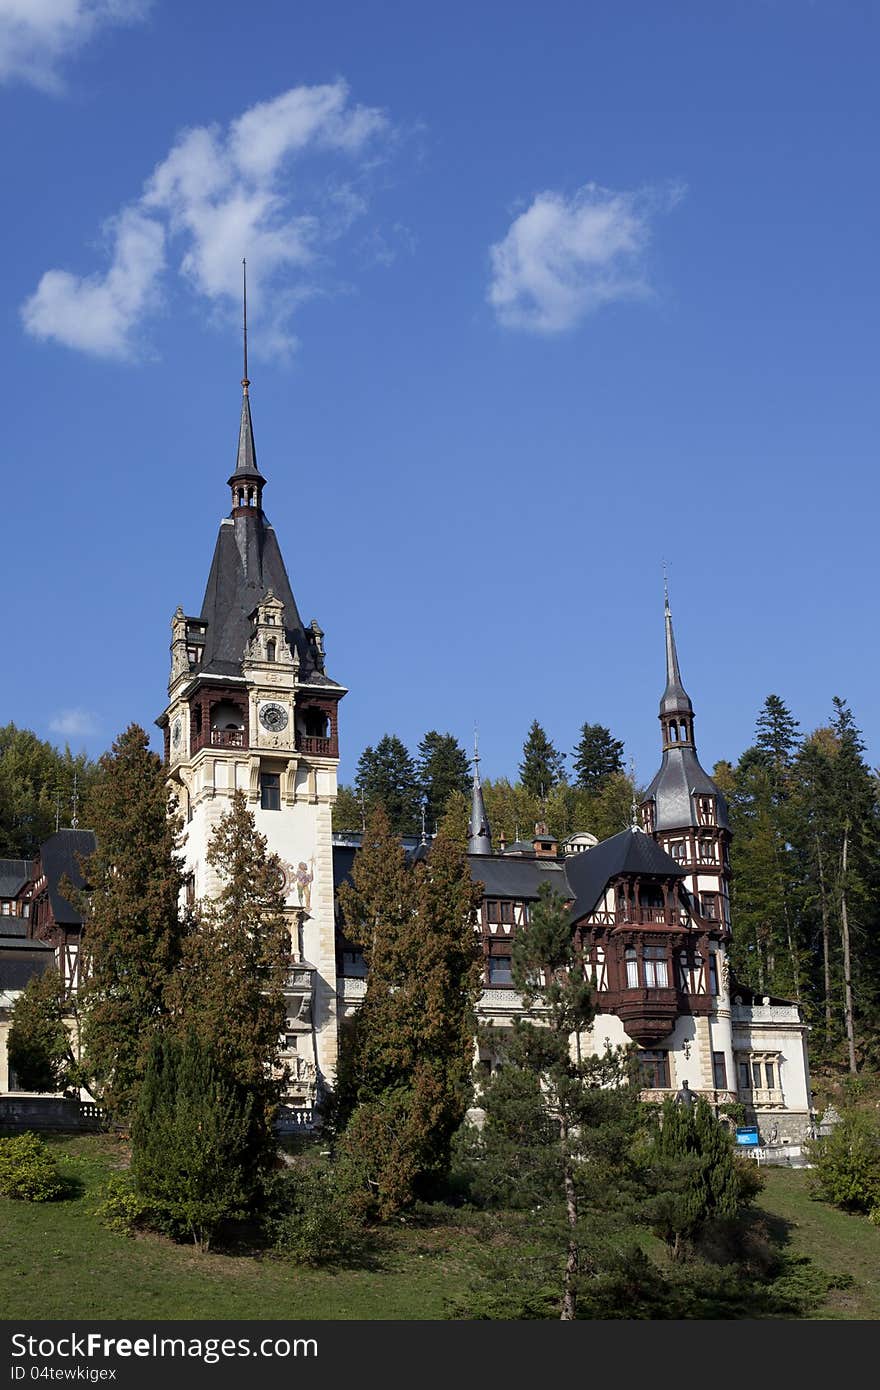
x: 748, y: 1134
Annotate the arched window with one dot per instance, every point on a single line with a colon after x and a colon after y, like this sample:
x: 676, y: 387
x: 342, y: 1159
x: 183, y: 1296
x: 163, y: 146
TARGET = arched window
x: 270, y: 649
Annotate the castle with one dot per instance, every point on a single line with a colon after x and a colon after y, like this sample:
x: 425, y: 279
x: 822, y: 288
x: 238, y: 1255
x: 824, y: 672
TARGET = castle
x: 252, y: 707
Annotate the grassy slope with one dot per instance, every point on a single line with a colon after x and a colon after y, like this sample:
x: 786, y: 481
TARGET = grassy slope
x: 60, y: 1262
x: 837, y: 1242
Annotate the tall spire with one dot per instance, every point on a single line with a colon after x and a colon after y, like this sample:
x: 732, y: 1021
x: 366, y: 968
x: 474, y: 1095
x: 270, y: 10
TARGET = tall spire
x: 247, y: 480
x: 675, y: 698
x: 479, y: 832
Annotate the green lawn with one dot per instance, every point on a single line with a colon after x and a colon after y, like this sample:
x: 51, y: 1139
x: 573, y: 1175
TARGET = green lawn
x: 60, y: 1262
x: 838, y: 1243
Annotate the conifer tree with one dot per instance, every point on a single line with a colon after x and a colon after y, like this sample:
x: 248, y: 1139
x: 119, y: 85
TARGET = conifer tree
x: 442, y: 769
x: 597, y: 756
x: 406, y: 1078
x: 39, y: 1044
x: 133, y: 935
x: 191, y: 1140
x: 229, y: 990
x: 542, y: 766
x: 561, y: 1121
x: 695, y: 1174
x: 386, y: 776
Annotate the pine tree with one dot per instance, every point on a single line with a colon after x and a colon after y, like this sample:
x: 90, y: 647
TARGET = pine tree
x: 348, y: 810
x: 442, y: 769
x: 856, y: 823
x: 558, y: 1121
x: 406, y: 1078
x: 542, y: 766
x: 39, y: 1044
x: 191, y: 1155
x: 386, y: 776
x: 229, y: 990
x: 133, y: 935
x: 695, y: 1174
x: 596, y: 757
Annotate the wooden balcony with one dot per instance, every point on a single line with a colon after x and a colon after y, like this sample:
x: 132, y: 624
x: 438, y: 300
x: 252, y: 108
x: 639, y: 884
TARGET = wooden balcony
x: 316, y: 747
x: 631, y: 916
x: 219, y: 738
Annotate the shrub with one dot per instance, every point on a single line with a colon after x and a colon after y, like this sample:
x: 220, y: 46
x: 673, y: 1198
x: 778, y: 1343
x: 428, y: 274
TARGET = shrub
x: 847, y: 1163
x: 123, y: 1209
x: 28, y: 1170
x: 309, y: 1219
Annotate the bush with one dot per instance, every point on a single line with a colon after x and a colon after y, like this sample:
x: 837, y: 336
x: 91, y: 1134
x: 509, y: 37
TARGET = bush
x: 308, y: 1218
x: 28, y: 1171
x: 847, y: 1163
x: 123, y: 1209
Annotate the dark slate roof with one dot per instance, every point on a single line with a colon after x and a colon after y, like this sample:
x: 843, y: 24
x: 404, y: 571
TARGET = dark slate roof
x: 343, y: 863
x: 630, y: 852
x: 22, y: 962
x: 12, y: 927
x: 246, y: 455
x: 508, y: 876
x: 14, y: 874
x: 675, y: 699
x: 247, y: 564
x: 59, y: 857
x: 673, y: 789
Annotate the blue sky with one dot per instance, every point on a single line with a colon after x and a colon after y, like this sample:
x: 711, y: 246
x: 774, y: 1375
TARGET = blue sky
x: 541, y: 297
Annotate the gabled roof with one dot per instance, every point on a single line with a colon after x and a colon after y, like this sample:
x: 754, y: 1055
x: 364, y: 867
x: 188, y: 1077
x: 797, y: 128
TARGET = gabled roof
x: 14, y: 874
x: 630, y: 852
x: 59, y: 857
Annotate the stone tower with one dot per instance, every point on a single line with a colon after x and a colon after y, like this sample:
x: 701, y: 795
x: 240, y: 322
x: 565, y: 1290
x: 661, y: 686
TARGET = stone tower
x: 251, y: 707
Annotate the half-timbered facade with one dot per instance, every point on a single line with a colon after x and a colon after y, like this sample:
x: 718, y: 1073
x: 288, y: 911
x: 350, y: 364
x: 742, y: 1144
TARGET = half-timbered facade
x: 650, y: 912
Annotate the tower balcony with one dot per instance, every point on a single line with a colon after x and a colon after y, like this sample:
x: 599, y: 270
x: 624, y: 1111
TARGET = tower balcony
x: 219, y: 738
x: 316, y: 747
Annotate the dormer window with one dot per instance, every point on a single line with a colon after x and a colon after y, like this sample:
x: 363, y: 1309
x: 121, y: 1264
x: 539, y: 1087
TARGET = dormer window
x: 270, y: 650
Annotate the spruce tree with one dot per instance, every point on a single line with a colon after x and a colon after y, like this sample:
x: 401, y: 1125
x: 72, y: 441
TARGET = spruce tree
x: 542, y: 766
x: 443, y: 768
x: 597, y: 755
x: 133, y: 935
x: 229, y: 990
x: 386, y: 776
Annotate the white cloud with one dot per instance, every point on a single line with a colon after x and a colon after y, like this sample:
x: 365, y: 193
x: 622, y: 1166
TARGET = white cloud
x: 74, y: 723
x: 219, y: 196
x: 37, y: 35
x: 96, y: 314
x: 565, y: 257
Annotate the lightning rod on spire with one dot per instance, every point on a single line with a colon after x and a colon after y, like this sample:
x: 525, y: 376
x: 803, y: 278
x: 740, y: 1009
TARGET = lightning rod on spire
x: 244, y: 381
